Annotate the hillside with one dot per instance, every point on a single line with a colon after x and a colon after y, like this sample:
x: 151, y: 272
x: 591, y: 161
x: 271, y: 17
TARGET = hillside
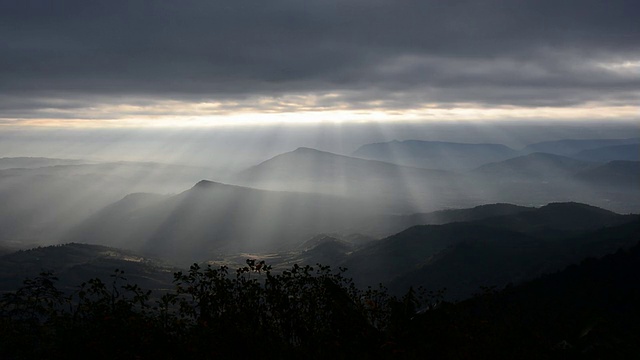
x: 74, y: 263
x: 212, y: 218
x: 388, y: 258
x: 466, y: 266
x: 401, y: 222
x: 558, y: 219
x: 38, y: 206
x: 384, y: 185
x: 586, y: 311
x: 507, y: 248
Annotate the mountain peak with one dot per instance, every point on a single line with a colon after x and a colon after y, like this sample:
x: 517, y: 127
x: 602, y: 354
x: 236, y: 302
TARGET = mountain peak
x: 203, y: 184
x: 303, y: 149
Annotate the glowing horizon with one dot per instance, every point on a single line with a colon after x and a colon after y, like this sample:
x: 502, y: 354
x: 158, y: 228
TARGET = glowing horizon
x: 169, y: 114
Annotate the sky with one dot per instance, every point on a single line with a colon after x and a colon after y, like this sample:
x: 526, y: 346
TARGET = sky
x: 193, y: 63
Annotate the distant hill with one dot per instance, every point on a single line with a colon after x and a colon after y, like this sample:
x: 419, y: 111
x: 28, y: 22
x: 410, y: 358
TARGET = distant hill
x: 435, y: 154
x: 629, y: 152
x: 569, y: 147
x: 531, y: 180
x: 213, y: 218
x: 540, y: 178
x: 318, y: 166
x: 534, y: 166
x: 384, y: 185
x: 39, y: 205
x: 35, y: 162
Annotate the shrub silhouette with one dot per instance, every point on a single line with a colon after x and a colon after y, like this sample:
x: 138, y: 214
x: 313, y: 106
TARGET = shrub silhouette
x: 308, y: 311
x: 586, y: 311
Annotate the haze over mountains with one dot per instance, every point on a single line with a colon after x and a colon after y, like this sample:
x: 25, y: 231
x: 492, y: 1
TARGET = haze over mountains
x: 571, y: 147
x: 74, y: 190
x: 38, y: 205
x: 436, y: 154
x: 388, y: 186
x: 467, y: 156
x: 212, y: 218
x: 432, y: 204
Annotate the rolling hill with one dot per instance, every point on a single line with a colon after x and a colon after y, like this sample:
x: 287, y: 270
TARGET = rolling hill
x: 213, y: 218
x: 39, y: 205
x: 384, y: 185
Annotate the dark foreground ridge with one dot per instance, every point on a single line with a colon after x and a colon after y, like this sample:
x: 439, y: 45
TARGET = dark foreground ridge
x: 590, y: 310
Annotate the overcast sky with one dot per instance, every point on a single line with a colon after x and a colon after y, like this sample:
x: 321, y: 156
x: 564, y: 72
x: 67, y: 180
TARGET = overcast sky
x: 106, y: 63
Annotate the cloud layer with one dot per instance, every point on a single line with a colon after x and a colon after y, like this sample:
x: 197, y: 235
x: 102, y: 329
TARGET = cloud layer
x: 61, y: 58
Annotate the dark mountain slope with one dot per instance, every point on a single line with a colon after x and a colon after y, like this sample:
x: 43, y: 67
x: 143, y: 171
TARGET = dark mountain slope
x: 587, y: 311
x: 406, y: 251
x: 466, y: 266
x: 422, y: 245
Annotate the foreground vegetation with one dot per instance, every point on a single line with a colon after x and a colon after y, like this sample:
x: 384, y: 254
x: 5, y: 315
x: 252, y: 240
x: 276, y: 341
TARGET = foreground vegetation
x: 304, y: 311
x: 587, y: 311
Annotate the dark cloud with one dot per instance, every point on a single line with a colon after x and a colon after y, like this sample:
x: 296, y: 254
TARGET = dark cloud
x: 65, y: 54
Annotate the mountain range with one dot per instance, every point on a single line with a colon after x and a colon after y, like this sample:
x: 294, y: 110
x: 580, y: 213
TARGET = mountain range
x: 435, y: 154
x: 39, y: 205
x: 466, y: 156
x: 463, y: 256
x: 387, y: 186
x: 212, y: 218
x: 570, y: 147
